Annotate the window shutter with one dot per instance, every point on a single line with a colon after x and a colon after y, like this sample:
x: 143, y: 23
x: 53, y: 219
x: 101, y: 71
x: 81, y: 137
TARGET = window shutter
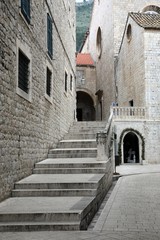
x: 48, y: 82
x: 25, y: 8
x: 49, y: 35
x: 23, y: 72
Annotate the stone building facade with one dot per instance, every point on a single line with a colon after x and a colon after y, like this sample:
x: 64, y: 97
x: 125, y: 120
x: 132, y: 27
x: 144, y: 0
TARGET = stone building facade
x: 37, y: 84
x: 126, y: 56
x: 138, y: 71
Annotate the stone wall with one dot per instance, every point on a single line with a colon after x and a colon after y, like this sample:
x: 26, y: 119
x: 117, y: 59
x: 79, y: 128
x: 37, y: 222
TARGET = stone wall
x: 146, y: 131
x: 121, y: 10
x: 28, y: 128
x: 86, y: 80
x: 130, y: 71
x: 152, y: 73
x: 102, y: 51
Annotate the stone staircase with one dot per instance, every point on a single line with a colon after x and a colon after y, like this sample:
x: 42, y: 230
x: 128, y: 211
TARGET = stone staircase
x: 65, y: 190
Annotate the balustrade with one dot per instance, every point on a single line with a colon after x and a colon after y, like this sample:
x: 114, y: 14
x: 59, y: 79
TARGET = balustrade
x: 129, y: 112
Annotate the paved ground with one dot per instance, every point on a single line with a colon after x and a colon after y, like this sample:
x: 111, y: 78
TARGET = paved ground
x: 131, y: 213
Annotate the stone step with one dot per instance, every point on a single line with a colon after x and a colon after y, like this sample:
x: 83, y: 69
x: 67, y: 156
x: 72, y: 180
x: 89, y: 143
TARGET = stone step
x: 39, y: 226
x: 40, y: 216
x: 53, y: 192
x: 74, y: 155
x: 85, y: 130
x: 60, y: 181
x: 69, y: 170
x: 90, y: 124
x: 72, y: 152
x: 15, y: 213
x: 86, y: 143
x: 79, y: 135
x: 71, y: 163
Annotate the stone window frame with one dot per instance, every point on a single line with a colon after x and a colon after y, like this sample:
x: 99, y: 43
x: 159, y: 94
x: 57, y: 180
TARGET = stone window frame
x: 25, y: 49
x: 47, y: 97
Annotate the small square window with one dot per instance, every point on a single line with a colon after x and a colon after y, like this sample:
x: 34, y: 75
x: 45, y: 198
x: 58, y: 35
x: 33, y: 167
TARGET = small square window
x: 23, y: 72
x: 49, y: 36
x: 48, y: 82
x: 25, y: 9
x: 66, y: 79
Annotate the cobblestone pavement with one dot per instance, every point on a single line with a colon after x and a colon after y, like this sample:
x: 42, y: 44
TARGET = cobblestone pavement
x: 131, y: 213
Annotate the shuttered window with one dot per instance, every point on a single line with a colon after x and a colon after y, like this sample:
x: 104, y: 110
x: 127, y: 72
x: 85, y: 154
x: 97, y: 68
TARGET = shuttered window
x: 25, y: 9
x: 49, y: 36
x: 23, y: 72
x: 48, y: 82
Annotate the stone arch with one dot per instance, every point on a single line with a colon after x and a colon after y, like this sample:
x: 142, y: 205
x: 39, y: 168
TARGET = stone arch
x: 85, y: 107
x: 131, y: 146
x: 89, y: 92
x: 151, y: 9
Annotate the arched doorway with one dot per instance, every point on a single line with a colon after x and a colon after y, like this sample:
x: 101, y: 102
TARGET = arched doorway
x: 131, y: 148
x: 85, y: 107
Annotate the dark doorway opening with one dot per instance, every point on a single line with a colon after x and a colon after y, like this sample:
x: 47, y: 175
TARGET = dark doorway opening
x: 131, y: 148
x: 85, y: 107
x: 79, y: 114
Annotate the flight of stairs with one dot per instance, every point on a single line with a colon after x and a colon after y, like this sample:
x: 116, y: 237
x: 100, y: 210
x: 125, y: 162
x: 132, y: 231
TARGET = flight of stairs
x: 65, y: 190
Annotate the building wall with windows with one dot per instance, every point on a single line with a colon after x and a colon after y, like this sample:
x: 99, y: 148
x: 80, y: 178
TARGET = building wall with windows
x: 138, y: 70
x: 130, y: 72
x: 121, y: 10
x: 99, y: 44
x: 36, y: 107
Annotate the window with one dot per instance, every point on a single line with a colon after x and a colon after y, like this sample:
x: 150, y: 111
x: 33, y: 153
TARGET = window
x: 48, y: 82
x: 23, y: 72
x: 49, y: 36
x: 129, y: 32
x: 71, y: 82
x: 25, y: 9
x: 66, y: 77
x: 99, y: 42
x: 151, y: 9
x: 131, y: 103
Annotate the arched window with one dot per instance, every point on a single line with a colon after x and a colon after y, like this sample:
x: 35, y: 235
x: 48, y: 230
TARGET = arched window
x: 151, y: 9
x: 99, y: 42
x: 129, y: 32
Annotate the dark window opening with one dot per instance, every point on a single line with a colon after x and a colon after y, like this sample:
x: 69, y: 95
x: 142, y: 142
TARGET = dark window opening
x: 48, y: 82
x: 71, y: 82
x: 131, y: 103
x: 49, y: 36
x: 25, y: 9
x: 129, y: 32
x: 66, y: 77
x: 23, y: 72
